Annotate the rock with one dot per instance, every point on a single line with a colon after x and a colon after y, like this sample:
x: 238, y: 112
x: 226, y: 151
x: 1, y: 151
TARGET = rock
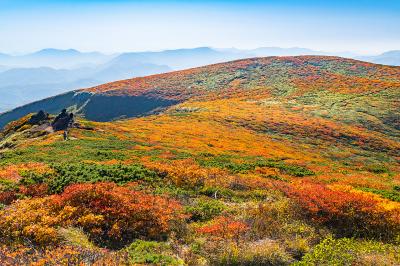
x: 38, y: 118
x: 63, y: 121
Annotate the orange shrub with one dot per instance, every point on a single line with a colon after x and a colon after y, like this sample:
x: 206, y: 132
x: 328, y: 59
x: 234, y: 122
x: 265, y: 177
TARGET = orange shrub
x: 65, y: 255
x: 109, y: 213
x: 32, y: 219
x: 13, y: 172
x: 187, y: 173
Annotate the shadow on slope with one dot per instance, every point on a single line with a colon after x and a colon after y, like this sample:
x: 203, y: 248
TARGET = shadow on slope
x: 106, y: 108
x: 92, y: 106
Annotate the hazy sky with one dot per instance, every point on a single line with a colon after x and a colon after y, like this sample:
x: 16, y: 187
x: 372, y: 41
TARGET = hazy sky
x: 363, y: 26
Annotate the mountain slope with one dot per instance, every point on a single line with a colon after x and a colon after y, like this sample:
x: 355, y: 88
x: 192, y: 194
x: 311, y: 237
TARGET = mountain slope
x: 329, y: 86
x: 20, y: 86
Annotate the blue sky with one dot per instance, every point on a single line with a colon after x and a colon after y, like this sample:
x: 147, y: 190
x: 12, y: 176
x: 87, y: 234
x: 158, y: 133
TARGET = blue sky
x: 362, y: 26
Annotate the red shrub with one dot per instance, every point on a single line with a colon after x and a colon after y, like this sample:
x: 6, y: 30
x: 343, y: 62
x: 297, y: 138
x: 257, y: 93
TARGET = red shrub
x: 36, y: 190
x: 7, y: 197
x: 111, y: 212
x: 224, y: 228
x: 350, y: 214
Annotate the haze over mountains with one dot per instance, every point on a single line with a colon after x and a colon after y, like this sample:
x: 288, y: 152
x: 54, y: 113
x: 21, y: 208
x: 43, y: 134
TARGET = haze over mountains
x: 48, y: 72
x: 55, y: 58
x: 387, y: 58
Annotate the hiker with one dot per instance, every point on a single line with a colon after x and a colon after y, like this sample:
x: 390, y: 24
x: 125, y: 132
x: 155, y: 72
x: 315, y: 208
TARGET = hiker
x: 65, y: 135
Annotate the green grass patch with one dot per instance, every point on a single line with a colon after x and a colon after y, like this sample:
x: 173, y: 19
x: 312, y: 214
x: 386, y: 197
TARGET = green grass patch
x: 393, y: 195
x: 377, y: 169
x: 205, y: 209
x: 250, y: 164
x: 151, y: 252
x: 347, y: 251
x: 67, y: 174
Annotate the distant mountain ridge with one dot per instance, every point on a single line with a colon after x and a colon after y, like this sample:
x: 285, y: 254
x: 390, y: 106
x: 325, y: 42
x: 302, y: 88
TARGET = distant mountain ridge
x: 179, y: 59
x: 186, y: 58
x: 51, y: 57
x: 54, y: 58
x: 387, y: 58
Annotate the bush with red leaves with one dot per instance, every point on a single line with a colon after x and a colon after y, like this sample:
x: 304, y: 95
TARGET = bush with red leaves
x: 348, y: 213
x: 117, y: 214
x: 224, y: 228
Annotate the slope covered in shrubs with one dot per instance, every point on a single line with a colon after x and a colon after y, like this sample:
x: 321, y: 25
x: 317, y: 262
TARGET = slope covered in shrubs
x: 272, y: 161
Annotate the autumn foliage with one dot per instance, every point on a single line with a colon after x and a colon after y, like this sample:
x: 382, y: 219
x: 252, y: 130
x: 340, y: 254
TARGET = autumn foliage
x: 108, y: 211
x: 105, y: 211
x: 224, y: 228
x: 34, y: 190
x: 349, y: 213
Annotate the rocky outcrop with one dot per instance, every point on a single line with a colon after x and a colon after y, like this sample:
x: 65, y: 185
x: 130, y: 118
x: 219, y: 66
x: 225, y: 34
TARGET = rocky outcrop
x: 39, y: 118
x: 63, y: 121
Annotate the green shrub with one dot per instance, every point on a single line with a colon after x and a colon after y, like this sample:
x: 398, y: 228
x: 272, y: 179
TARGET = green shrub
x: 7, y: 185
x: 235, y: 195
x: 151, y: 252
x: 346, y: 251
x: 32, y: 177
x: 392, y: 195
x: 294, y: 170
x: 205, y: 210
x: 67, y: 174
x: 225, y: 162
x: 377, y: 169
x: 97, y: 149
x: 216, y: 191
x: 263, y: 252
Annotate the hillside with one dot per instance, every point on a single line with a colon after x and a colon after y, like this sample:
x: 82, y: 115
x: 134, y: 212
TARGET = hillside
x: 19, y: 86
x: 262, y: 161
x: 336, y: 84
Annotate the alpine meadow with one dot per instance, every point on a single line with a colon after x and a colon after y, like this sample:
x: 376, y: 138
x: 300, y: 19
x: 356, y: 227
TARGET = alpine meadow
x: 212, y: 156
